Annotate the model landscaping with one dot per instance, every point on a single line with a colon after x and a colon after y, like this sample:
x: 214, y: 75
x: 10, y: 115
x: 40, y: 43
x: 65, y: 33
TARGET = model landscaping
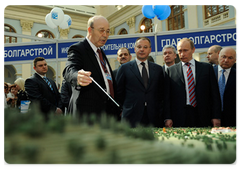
x: 64, y: 140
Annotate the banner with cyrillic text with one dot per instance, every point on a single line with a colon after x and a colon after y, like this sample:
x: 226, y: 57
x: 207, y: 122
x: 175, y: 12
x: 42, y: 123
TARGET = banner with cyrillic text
x: 29, y: 52
x: 113, y: 45
x: 201, y: 39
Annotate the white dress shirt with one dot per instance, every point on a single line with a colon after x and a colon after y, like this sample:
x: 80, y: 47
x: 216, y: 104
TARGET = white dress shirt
x: 166, y: 67
x: 193, y: 67
x: 41, y: 75
x: 140, y: 66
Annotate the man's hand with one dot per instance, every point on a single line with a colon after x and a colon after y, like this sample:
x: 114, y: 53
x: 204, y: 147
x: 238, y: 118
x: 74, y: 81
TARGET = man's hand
x: 169, y: 123
x: 58, y: 111
x: 216, y: 122
x: 83, y: 78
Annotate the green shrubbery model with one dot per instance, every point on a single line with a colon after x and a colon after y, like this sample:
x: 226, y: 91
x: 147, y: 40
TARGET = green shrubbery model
x: 64, y: 140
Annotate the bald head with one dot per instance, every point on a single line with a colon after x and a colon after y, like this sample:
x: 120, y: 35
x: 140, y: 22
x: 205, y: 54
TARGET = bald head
x: 213, y: 54
x: 227, y: 57
x: 98, y: 30
x: 95, y: 18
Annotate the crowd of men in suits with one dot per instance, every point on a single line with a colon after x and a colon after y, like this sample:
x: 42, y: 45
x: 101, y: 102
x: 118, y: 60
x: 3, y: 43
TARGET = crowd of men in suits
x: 184, y: 94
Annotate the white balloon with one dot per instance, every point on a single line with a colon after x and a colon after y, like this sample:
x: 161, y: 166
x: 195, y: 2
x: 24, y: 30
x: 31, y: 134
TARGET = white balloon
x: 67, y: 21
x: 57, y: 15
x: 49, y: 22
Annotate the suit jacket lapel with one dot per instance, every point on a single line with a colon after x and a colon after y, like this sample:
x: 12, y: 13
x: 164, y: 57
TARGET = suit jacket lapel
x: 198, y: 70
x: 135, y: 70
x: 164, y: 72
x: 92, y: 56
x: 231, y: 77
x: 215, y: 68
x: 180, y: 72
x: 151, y: 68
x: 39, y: 78
x: 43, y: 82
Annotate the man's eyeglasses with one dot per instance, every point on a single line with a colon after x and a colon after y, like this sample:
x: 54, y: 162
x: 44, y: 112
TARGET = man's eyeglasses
x: 102, y: 31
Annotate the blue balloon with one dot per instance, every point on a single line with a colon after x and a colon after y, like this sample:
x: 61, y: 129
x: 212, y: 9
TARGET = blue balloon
x: 165, y: 14
x: 159, y: 9
x: 147, y: 11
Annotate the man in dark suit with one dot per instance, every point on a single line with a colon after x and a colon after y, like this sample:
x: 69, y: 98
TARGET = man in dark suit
x: 227, y: 58
x: 140, y: 86
x: 169, y: 56
x: 192, y: 97
x: 124, y: 56
x: 42, y: 90
x: 66, y: 93
x: 213, y: 54
x: 150, y: 58
x: 86, y: 59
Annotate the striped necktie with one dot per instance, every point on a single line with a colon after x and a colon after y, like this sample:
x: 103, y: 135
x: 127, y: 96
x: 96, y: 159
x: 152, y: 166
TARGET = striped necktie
x: 221, y: 85
x: 48, y: 82
x: 191, y: 86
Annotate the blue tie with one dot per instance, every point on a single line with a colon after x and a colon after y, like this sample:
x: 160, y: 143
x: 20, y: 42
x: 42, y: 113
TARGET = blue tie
x: 48, y: 82
x: 221, y: 85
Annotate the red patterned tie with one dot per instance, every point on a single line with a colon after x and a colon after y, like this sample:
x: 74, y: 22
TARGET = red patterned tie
x: 191, y: 86
x: 103, y: 64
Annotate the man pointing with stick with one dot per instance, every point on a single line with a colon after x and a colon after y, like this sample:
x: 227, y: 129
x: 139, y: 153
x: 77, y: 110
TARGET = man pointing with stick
x: 93, y: 94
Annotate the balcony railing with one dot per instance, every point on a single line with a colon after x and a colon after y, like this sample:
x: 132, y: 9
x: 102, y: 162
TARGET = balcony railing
x: 217, y: 18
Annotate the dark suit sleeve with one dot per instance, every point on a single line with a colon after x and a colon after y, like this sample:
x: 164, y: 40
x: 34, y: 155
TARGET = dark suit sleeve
x: 167, y: 113
x: 216, y: 101
x: 66, y: 92
x: 35, y: 95
x: 120, y: 81
x: 115, y: 73
x: 57, y: 96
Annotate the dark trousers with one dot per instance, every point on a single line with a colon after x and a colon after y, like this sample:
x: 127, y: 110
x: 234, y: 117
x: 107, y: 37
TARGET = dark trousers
x: 145, y: 121
x: 192, y: 119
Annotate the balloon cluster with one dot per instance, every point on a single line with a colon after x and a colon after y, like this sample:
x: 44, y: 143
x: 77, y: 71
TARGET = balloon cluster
x: 162, y: 12
x: 57, y: 18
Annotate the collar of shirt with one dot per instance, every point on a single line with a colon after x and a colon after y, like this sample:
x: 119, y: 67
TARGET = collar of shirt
x: 226, y: 73
x: 226, y: 70
x: 41, y: 75
x: 168, y: 66
x: 139, y: 62
x: 192, y: 61
x: 140, y: 66
x: 93, y: 46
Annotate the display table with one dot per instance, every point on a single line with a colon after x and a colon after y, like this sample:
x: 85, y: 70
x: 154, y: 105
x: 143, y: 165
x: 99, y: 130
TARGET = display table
x: 93, y: 145
x: 63, y: 140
